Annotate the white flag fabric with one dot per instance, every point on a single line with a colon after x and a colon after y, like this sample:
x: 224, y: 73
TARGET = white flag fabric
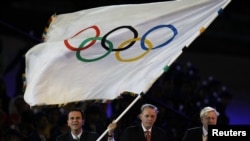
x: 101, y: 52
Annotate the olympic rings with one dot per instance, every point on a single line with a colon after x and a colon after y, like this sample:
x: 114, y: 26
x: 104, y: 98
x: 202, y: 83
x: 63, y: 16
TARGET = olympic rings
x: 157, y: 27
x: 132, y: 43
x: 95, y: 59
x: 91, y: 43
x: 150, y: 46
x: 123, y: 46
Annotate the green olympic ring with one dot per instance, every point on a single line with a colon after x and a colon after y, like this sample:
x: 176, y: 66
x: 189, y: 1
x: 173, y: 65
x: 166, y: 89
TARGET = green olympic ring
x: 78, y: 55
x: 122, y: 46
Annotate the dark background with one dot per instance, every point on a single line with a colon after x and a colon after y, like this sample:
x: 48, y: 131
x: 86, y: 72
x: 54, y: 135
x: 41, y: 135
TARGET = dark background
x: 221, y: 52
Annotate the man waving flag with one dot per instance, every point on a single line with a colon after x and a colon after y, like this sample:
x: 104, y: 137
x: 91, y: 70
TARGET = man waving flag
x: 101, y: 52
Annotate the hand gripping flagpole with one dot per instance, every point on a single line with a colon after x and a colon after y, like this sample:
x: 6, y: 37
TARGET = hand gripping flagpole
x: 120, y: 116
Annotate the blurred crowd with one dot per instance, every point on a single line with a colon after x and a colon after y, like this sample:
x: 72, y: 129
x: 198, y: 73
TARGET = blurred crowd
x: 179, y: 93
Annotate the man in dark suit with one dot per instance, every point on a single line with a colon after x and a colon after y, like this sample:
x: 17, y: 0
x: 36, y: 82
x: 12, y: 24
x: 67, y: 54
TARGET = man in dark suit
x: 75, y: 121
x: 208, y: 116
x: 148, y: 117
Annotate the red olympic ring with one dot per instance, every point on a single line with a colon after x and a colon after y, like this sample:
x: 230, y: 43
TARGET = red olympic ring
x: 123, y: 46
x: 89, y: 45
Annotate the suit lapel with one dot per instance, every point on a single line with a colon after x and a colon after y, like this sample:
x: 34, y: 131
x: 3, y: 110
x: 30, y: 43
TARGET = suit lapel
x: 141, y: 133
x: 84, y: 136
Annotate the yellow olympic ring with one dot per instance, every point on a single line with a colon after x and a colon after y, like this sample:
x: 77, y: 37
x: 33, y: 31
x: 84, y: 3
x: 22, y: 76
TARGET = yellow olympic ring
x: 117, y: 54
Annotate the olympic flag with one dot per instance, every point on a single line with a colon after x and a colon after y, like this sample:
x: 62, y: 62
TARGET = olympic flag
x: 101, y: 52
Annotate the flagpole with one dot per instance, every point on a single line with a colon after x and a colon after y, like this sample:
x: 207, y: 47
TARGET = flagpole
x: 120, y: 116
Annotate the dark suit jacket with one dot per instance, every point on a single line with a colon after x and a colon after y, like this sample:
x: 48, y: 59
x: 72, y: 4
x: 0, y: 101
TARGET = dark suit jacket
x: 136, y: 133
x: 86, y: 136
x: 193, y: 134
x: 34, y: 136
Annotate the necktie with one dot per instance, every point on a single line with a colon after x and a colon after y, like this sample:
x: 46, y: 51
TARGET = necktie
x: 148, y: 135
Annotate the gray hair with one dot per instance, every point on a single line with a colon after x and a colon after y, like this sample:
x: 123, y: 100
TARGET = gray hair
x: 207, y: 109
x: 151, y: 106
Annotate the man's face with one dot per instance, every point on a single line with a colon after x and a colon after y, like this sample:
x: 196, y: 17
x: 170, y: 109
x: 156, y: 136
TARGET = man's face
x: 209, y: 119
x: 75, y: 120
x: 148, y: 117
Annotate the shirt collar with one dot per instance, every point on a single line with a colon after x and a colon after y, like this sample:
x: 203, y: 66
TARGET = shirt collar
x: 76, y: 136
x: 144, y: 129
x: 204, y: 131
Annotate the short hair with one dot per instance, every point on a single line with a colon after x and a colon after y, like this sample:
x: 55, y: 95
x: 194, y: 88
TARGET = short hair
x: 76, y: 110
x: 151, y: 106
x: 207, y: 109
